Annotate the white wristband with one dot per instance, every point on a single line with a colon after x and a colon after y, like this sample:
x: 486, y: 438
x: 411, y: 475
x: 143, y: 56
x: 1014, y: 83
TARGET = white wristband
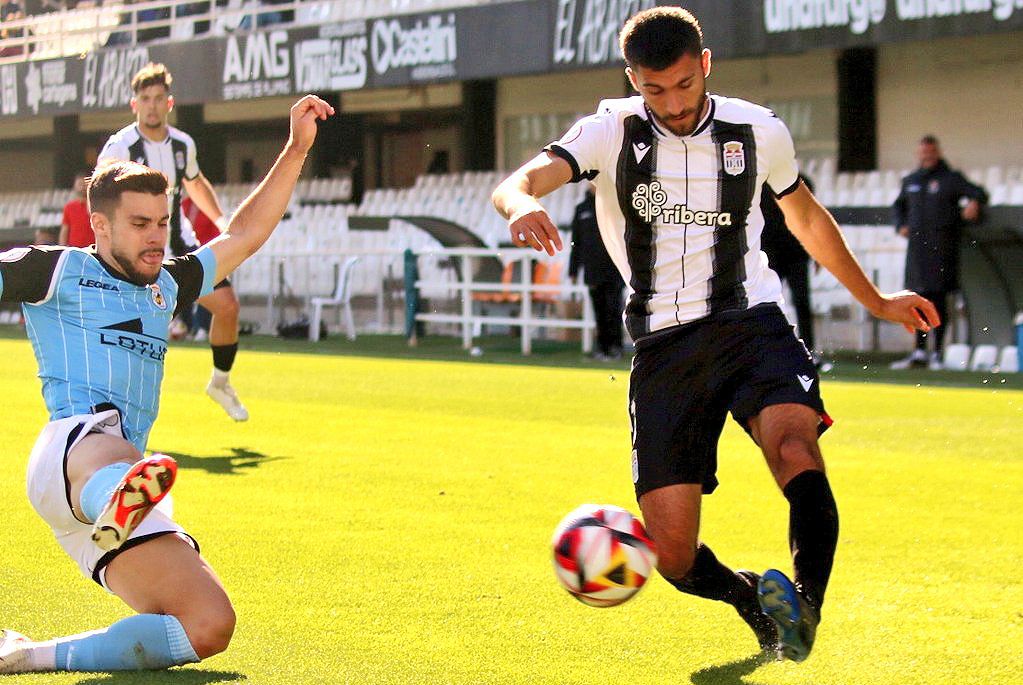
x: 222, y: 222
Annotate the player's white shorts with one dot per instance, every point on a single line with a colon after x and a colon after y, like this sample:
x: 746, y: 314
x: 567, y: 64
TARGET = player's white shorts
x: 50, y: 494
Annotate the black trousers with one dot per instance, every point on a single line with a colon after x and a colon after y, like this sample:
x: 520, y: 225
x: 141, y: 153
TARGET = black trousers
x: 797, y: 275
x: 940, y: 300
x: 607, y: 308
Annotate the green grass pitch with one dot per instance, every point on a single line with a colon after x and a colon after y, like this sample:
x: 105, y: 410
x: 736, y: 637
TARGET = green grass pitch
x: 388, y: 521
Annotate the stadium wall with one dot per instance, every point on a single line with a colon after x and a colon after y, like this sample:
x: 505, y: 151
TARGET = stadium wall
x: 966, y: 91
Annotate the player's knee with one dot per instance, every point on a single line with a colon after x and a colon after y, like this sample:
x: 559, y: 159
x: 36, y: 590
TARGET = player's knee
x: 675, y: 562
x: 796, y: 452
x: 211, y: 632
x: 231, y: 307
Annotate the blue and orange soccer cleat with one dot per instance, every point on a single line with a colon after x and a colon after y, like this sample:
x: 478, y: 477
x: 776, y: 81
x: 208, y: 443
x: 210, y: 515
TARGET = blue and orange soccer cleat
x: 795, y: 619
x: 142, y: 487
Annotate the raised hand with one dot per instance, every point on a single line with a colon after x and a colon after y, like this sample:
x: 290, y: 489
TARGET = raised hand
x: 304, y: 114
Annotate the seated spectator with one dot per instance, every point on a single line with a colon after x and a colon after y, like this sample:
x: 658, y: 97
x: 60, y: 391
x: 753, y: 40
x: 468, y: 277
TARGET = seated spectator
x: 10, y: 10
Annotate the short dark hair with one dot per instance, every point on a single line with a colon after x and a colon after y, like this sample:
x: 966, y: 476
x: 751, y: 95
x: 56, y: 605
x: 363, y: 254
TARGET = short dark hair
x: 656, y: 38
x: 153, y: 74
x: 110, y: 181
x: 929, y: 139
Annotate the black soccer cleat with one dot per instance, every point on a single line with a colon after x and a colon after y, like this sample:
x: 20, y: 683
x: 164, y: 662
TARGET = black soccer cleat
x: 748, y: 607
x: 796, y: 619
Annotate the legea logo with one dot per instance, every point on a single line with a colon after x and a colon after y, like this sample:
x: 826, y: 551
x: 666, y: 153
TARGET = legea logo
x: 650, y: 200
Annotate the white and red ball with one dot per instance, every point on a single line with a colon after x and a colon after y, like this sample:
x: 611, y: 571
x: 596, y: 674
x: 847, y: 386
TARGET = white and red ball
x: 602, y: 554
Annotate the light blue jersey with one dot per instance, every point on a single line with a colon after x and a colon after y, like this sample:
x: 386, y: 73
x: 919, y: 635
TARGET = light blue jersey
x: 100, y: 340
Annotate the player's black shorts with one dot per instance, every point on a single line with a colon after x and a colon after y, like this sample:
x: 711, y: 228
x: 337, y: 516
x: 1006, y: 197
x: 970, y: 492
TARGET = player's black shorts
x: 226, y: 283
x: 685, y: 381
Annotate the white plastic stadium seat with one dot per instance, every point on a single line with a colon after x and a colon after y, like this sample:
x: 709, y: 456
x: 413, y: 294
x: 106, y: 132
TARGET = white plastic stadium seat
x: 957, y: 357
x: 342, y: 298
x: 984, y: 358
x: 1008, y: 360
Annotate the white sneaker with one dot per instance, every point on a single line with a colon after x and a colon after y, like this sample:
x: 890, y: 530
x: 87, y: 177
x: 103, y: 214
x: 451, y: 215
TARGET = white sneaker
x: 917, y: 359
x: 935, y: 363
x: 226, y: 397
x: 13, y: 658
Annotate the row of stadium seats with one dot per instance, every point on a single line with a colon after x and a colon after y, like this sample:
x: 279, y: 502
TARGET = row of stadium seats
x: 959, y: 357
x: 464, y: 198
x: 880, y: 188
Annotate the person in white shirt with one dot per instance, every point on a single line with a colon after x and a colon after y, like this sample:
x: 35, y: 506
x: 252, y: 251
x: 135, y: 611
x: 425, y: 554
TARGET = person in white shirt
x: 679, y: 174
x: 152, y: 141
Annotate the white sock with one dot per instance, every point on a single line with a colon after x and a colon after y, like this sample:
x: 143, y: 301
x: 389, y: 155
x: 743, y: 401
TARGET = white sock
x: 220, y: 378
x: 42, y: 656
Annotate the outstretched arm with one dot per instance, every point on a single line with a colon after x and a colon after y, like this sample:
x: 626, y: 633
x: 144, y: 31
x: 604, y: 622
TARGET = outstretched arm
x: 517, y: 200
x: 261, y: 211
x: 205, y: 198
x: 817, y: 231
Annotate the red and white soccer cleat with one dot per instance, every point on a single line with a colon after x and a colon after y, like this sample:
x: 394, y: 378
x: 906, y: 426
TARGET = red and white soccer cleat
x: 143, y: 486
x: 13, y: 657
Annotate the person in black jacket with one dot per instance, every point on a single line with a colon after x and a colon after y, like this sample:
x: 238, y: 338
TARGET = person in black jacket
x: 601, y: 277
x: 788, y: 259
x: 928, y: 213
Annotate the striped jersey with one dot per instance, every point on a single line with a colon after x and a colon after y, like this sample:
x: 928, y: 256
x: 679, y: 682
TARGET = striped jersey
x: 174, y: 157
x: 680, y: 215
x: 100, y: 340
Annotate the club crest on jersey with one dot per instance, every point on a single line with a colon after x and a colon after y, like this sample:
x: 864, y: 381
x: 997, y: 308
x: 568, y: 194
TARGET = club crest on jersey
x: 158, y: 298
x: 734, y: 157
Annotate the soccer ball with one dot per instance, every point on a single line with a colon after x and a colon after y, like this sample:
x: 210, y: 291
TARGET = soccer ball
x: 602, y: 554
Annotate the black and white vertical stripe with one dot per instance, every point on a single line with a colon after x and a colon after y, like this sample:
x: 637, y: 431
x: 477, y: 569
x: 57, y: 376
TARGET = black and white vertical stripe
x: 640, y: 235
x: 735, y: 196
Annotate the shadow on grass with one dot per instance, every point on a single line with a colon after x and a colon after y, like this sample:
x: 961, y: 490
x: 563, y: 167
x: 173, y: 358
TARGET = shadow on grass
x: 239, y: 460
x: 176, y: 677
x: 731, y: 673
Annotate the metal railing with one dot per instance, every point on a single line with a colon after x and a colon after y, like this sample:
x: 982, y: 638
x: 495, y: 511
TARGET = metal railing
x: 469, y: 320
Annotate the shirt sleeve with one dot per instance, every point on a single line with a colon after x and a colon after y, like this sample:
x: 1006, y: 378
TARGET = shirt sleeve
x: 782, y: 170
x: 26, y: 273
x: 969, y: 190
x: 585, y: 145
x: 194, y: 274
x: 191, y: 160
x: 114, y: 150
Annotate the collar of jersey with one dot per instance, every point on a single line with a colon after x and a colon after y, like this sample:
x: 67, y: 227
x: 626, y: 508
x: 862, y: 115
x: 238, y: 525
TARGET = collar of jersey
x: 110, y: 270
x: 701, y: 127
x: 143, y: 137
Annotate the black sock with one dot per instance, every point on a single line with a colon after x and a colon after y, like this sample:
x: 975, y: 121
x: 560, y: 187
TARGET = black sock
x: 223, y: 356
x: 813, y: 532
x: 709, y: 578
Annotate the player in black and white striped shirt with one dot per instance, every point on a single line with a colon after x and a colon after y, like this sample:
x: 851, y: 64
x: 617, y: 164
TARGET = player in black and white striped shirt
x: 679, y: 175
x: 152, y: 141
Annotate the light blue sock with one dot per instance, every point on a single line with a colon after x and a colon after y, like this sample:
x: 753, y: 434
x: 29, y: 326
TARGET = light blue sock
x: 136, y: 643
x: 100, y: 487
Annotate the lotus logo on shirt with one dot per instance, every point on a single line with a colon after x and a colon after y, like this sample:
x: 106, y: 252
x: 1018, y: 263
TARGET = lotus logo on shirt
x: 650, y: 200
